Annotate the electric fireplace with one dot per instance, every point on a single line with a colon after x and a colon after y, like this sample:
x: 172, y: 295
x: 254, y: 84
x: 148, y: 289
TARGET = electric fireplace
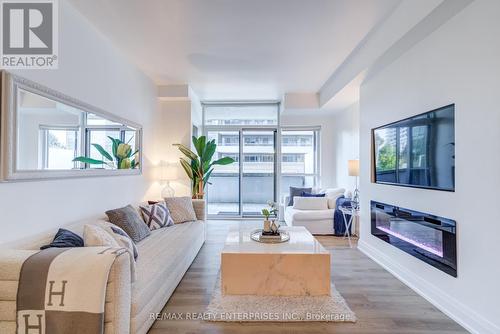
x: 429, y: 238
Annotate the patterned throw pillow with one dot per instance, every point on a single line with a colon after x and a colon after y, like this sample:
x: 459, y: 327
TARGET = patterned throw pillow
x: 121, y: 237
x: 156, y: 215
x: 181, y: 209
x: 128, y: 219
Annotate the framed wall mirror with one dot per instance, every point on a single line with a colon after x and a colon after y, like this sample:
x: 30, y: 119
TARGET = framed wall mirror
x: 46, y: 134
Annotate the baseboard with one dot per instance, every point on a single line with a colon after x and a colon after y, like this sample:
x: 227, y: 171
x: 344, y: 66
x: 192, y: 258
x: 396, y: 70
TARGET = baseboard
x: 462, y: 314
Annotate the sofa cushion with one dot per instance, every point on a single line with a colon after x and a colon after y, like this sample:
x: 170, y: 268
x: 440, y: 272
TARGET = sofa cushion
x: 294, y: 191
x: 128, y: 219
x: 65, y: 238
x: 156, y: 215
x: 161, y: 256
x: 333, y: 194
x: 181, y: 209
x: 310, y: 203
x: 308, y: 215
x: 306, y: 194
x: 95, y: 235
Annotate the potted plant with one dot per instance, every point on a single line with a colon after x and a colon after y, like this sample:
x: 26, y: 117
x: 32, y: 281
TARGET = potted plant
x: 267, y: 212
x: 121, y: 156
x: 199, y: 166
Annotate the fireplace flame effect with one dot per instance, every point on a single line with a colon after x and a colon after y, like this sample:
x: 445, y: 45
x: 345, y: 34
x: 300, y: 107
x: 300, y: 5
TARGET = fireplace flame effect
x: 428, y: 248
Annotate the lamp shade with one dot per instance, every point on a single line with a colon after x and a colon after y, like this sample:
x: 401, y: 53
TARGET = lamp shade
x: 168, y: 172
x: 353, y: 167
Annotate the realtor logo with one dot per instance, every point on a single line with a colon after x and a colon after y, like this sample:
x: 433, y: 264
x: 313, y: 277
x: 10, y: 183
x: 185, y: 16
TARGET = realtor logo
x: 29, y: 34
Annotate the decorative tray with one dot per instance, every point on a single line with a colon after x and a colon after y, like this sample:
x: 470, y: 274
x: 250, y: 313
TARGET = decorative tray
x: 267, y: 239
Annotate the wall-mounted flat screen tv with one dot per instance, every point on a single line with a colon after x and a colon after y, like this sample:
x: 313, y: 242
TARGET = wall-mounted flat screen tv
x: 418, y: 151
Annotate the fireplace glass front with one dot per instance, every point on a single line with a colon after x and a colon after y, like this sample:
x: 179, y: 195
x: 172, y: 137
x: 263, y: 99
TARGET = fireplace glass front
x: 430, y: 238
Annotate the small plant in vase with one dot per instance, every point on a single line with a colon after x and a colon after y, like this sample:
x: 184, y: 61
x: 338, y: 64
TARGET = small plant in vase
x: 270, y: 226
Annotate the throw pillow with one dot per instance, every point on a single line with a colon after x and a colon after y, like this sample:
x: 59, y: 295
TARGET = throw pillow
x: 65, y: 238
x: 181, y: 209
x: 99, y: 235
x: 122, y: 238
x: 304, y: 194
x: 333, y: 195
x: 156, y: 215
x: 294, y: 191
x: 96, y: 236
x: 310, y: 203
x: 128, y: 219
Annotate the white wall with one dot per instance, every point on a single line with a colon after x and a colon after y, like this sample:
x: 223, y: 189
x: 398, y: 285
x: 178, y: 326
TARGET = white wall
x: 174, y: 127
x: 346, y: 144
x: 91, y: 70
x: 459, y: 63
x: 327, y: 140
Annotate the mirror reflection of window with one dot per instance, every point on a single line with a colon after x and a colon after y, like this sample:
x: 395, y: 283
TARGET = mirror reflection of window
x: 51, y: 134
x: 48, y: 133
x: 101, y: 137
x: 59, y: 147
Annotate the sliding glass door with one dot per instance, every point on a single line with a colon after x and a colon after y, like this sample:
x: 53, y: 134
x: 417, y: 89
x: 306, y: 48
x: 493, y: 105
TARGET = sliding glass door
x: 244, y: 187
x: 223, y: 191
x: 246, y: 132
x: 259, y: 172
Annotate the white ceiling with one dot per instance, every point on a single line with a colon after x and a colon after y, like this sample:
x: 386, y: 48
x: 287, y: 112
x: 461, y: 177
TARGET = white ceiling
x: 238, y: 49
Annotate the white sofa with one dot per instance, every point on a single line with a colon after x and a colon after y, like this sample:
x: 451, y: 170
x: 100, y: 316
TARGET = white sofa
x: 164, y: 258
x: 315, y: 221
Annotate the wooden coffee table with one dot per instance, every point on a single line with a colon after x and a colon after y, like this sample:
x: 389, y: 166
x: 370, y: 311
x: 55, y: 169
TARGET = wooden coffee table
x: 299, y: 267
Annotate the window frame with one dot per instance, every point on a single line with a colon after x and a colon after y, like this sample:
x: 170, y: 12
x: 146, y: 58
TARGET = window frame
x: 44, y: 131
x: 317, y: 156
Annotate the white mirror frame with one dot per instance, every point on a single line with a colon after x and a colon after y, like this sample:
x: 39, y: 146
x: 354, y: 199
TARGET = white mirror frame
x: 9, y: 87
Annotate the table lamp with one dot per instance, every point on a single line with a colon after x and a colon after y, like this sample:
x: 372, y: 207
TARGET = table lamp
x: 168, y: 172
x: 353, y: 169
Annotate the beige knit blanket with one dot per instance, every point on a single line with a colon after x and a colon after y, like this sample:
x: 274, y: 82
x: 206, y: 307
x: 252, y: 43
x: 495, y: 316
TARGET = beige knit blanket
x: 62, y: 290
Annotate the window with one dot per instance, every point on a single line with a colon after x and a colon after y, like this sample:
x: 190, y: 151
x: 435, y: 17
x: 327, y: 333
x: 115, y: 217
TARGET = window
x: 230, y: 140
x: 300, y: 158
x: 293, y: 157
x: 259, y: 140
x: 59, y: 147
x: 296, y: 140
x: 100, y: 137
x: 259, y: 157
x: 241, y: 114
x: 247, y: 133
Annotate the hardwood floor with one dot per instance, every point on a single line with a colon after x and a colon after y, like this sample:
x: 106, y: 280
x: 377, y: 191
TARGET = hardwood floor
x: 381, y: 302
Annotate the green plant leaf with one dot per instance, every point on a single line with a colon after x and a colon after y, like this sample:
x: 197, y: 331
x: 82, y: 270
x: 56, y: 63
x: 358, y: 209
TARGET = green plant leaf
x: 207, y: 176
x: 125, y: 164
x: 115, y: 142
x: 103, y: 151
x: 187, y: 168
x: 199, y: 145
x: 223, y: 161
x: 89, y: 161
x: 209, y: 151
x: 132, y: 154
x: 186, y: 151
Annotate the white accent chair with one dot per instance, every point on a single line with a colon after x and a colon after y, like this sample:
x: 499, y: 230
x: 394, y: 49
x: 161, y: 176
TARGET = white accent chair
x: 313, y: 215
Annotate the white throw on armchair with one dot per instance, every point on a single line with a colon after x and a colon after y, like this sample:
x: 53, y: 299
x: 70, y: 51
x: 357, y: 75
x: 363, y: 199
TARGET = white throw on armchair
x: 314, y: 213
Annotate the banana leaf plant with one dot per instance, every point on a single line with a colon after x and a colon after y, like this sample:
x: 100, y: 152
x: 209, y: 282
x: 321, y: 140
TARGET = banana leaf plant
x: 121, y: 156
x: 199, y: 166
